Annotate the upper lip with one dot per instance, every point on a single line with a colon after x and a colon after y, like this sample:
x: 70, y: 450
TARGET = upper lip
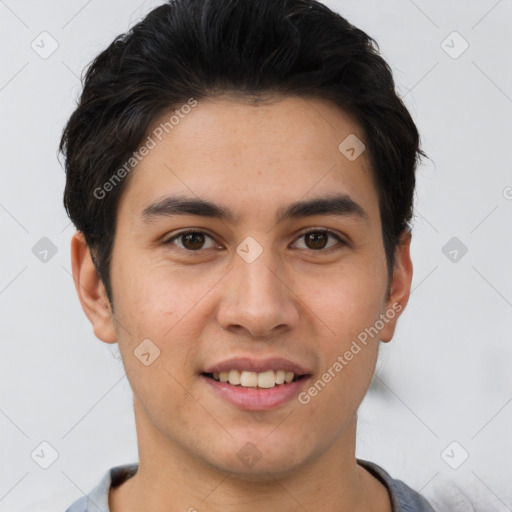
x: 257, y: 365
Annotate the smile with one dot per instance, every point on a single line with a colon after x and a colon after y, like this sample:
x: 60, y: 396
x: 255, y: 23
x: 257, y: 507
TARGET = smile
x: 247, y: 379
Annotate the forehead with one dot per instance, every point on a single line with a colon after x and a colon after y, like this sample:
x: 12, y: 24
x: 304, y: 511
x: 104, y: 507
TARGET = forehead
x: 252, y: 155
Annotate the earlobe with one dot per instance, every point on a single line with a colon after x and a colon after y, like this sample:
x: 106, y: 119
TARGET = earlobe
x: 400, y: 287
x: 91, y: 291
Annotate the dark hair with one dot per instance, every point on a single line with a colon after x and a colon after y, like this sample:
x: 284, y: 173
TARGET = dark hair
x: 205, y: 48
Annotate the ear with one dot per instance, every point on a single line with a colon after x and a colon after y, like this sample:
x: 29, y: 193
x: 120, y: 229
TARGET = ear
x: 400, y: 286
x: 91, y: 290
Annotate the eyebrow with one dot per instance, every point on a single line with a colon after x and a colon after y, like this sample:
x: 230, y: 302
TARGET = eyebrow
x: 340, y: 205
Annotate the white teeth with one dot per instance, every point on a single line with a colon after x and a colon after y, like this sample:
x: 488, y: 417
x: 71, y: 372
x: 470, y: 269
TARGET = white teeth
x: 234, y: 377
x: 267, y: 379
x: 248, y: 379
x: 280, y: 374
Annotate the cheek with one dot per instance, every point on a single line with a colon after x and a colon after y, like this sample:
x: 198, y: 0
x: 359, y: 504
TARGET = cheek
x: 154, y: 299
x: 169, y: 308
x: 348, y: 356
x: 164, y: 307
x: 347, y: 301
x: 348, y: 305
x: 330, y: 404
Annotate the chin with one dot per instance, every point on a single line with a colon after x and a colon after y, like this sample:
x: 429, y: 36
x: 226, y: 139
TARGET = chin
x: 256, y: 462
x: 261, y: 471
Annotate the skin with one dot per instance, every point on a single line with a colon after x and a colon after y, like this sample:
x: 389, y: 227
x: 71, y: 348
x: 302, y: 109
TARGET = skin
x: 205, y: 306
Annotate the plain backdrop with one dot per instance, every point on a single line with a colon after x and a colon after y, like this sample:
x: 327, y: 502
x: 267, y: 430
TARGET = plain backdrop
x: 439, y: 412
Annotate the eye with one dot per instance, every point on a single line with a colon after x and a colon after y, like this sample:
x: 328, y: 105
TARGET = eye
x: 317, y: 239
x: 191, y: 240
x: 194, y: 241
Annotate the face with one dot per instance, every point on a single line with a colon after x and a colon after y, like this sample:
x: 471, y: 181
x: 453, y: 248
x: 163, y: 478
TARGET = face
x: 248, y: 243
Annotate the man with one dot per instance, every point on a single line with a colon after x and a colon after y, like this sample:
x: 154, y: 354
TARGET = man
x: 241, y: 176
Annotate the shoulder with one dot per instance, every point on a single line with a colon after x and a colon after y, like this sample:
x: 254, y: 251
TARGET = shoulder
x: 97, y: 499
x: 403, y: 497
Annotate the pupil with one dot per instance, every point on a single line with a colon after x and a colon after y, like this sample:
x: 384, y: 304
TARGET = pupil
x: 196, y: 240
x: 318, y: 240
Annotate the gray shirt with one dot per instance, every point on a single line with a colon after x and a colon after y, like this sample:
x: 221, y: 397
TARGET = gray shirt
x: 403, y: 498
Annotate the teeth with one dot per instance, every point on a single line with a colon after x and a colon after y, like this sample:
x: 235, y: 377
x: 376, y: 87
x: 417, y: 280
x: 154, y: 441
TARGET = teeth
x: 234, y: 377
x: 280, y: 376
x: 266, y: 380
x: 247, y: 379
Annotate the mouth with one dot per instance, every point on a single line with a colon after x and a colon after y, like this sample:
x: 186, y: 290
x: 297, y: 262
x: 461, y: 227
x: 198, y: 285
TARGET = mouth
x: 267, y: 379
x: 256, y: 385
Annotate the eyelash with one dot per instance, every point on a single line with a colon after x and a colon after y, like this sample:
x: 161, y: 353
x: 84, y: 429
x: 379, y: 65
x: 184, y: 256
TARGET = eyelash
x: 328, y: 232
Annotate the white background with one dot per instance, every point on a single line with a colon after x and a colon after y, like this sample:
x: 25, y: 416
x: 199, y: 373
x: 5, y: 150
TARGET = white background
x: 446, y: 375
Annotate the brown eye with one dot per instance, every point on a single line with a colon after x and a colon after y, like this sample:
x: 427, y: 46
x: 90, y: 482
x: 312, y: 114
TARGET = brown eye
x: 318, y: 240
x: 191, y: 240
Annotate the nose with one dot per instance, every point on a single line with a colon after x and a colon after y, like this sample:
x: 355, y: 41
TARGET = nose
x: 257, y: 299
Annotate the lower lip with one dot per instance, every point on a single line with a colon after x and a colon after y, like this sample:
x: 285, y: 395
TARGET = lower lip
x: 257, y: 399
